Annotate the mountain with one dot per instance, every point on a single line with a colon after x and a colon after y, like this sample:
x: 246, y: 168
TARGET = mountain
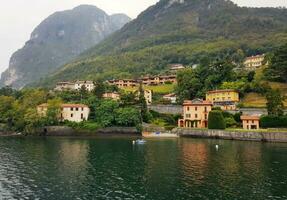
x: 179, y: 31
x: 59, y: 39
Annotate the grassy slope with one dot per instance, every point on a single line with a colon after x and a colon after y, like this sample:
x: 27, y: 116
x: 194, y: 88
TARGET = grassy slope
x: 255, y: 100
x: 158, y: 89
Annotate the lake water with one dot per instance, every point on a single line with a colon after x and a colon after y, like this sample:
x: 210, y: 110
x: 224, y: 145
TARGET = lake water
x: 112, y: 168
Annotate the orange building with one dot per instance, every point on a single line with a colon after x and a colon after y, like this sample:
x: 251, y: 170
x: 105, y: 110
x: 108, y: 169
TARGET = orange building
x: 195, y: 114
x: 158, y: 80
x: 124, y: 83
x: 250, y: 122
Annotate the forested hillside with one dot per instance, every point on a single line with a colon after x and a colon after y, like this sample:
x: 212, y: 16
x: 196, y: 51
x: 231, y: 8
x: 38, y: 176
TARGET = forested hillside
x: 177, y: 31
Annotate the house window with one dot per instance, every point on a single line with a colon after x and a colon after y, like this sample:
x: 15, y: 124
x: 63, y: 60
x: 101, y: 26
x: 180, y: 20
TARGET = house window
x: 82, y: 116
x: 195, y: 108
x: 205, y: 109
x: 82, y: 109
x: 196, y: 116
x: 77, y: 109
x: 252, y: 121
x: 205, y: 116
x: 187, y: 108
x: 72, y: 109
x: 72, y: 115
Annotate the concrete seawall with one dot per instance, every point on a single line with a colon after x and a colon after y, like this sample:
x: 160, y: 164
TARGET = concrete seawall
x: 233, y: 135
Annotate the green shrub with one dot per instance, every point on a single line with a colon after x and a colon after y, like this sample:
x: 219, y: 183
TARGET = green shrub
x: 216, y: 120
x: 273, y: 121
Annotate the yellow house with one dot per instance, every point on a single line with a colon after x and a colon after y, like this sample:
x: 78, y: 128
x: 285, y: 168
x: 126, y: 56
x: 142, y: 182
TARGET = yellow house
x: 69, y: 112
x: 195, y: 114
x: 226, y: 99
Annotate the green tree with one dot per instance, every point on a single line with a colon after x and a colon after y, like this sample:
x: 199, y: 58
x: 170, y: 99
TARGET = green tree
x: 54, y: 111
x: 99, y: 89
x: 143, y: 105
x: 128, y: 117
x: 275, y: 105
x: 105, y: 112
x: 278, y: 67
x: 216, y: 120
x: 188, y: 84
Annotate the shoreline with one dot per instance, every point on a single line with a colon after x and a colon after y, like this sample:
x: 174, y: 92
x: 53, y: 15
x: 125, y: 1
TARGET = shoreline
x: 240, y: 135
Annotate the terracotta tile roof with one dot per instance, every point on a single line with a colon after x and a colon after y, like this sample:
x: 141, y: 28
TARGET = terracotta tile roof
x: 197, y: 102
x: 66, y: 105
x: 220, y: 91
x: 249, y: 117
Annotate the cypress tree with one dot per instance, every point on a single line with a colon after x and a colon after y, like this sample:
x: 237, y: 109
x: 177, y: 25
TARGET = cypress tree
x: 216, y: 120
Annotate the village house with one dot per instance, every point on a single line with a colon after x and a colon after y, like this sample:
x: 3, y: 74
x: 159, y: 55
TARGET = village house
x: 225, y: 99
x: 254, y: 62
x: 176, y: 67
x: 88, y: 85
x: 158, y: 80
x: 69, y: 112
x: 121, y: 83
x: 195, y: 114
x: 172, y: 98
x: 250, y: 122
x: 62, y: 86
x: 112, y: 95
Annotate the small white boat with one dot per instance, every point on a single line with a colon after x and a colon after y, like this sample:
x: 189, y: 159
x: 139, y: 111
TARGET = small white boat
x: 139, y: 141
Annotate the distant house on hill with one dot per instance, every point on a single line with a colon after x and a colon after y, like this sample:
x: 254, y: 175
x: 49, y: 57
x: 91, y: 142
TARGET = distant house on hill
x: 121, y: 83
x: 195, y: 114
x: 111, y: 95
x: 63, y: 86
x: 225, y: 99
x: 158, y: 80
x: 172, y: 98
x: 88, y: 85
x: 69, y: 112
x: 254, y: 62
x: 176, y: 67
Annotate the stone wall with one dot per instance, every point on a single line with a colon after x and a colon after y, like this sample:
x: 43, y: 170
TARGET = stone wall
x: 166, y: 109
x: 233, y: 135
x: 177, y: 109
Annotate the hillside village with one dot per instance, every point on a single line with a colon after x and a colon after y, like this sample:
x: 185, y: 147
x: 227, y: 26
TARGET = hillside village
x: 195, y: 112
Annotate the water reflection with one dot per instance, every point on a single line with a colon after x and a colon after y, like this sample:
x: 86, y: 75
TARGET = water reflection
x: 63, y: 168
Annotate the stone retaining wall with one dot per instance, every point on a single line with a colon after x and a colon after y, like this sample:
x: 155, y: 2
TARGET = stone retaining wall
x: 233, y: 135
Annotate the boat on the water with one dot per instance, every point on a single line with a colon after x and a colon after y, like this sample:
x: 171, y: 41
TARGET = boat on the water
x: 139, y: 141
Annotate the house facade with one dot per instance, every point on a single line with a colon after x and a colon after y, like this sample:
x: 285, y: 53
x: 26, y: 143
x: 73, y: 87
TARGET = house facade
x: 250, y: 122
x: 225, y: 99
x: 158, y: 80
x: 62, y: 86
x: 69, y: 112
x: 172, y: 98
x: 89, y: 85
x: 195, y: 114
x: 254, y: 62
x: 121, y: 83
x: 111, y: 95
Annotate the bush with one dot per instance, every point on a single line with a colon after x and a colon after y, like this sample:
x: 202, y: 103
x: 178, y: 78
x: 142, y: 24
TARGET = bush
x: 273, y: 121
x: 216, y: 120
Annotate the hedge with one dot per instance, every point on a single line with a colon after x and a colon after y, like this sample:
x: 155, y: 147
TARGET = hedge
x: 273, y: 121
x: 216, y: 120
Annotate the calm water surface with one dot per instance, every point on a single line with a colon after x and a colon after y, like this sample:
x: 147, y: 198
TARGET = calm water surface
x: 112, y: 168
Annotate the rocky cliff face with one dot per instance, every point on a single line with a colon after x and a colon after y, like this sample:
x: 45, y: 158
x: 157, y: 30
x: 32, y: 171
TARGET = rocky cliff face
x: 59, y: 39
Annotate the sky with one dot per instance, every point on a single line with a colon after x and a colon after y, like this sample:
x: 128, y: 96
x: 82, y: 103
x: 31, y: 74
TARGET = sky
x: 18, y: 18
